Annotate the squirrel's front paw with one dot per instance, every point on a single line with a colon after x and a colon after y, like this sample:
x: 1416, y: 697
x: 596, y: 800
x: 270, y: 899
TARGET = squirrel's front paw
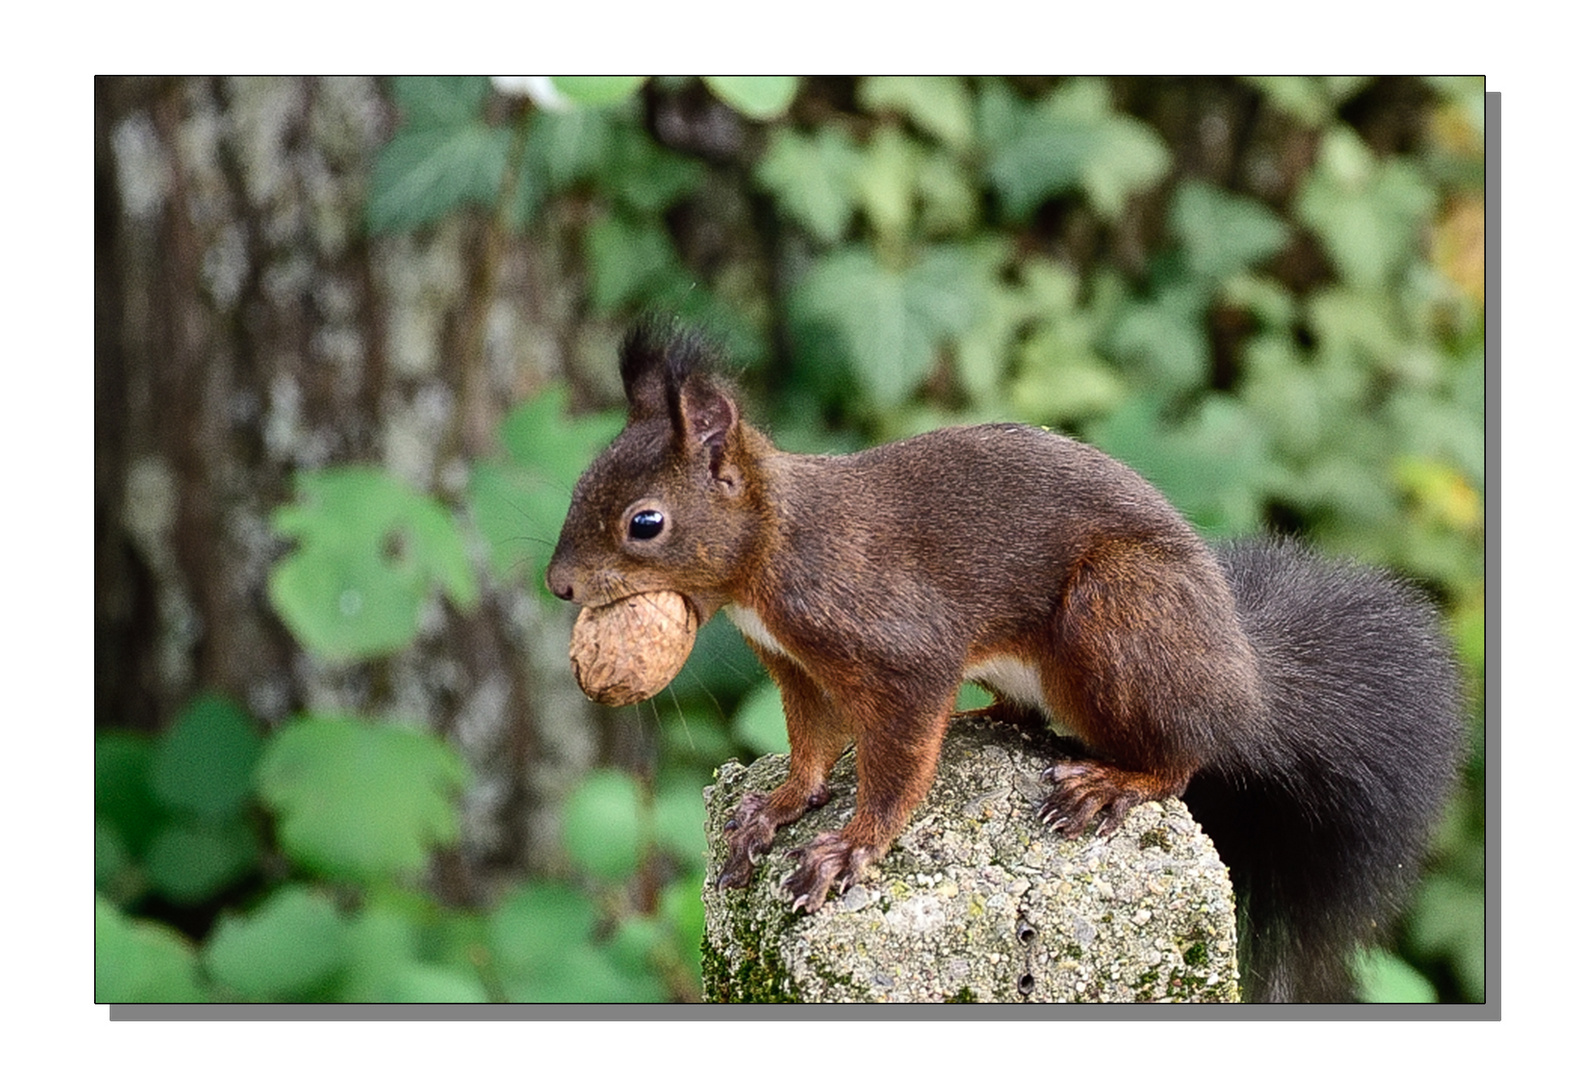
x: 829, y: 860
x: 750, y: 831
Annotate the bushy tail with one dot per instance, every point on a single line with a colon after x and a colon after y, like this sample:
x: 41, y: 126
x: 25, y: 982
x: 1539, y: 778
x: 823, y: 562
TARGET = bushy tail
x: 1324, y: 818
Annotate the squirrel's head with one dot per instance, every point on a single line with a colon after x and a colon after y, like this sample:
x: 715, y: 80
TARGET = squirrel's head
x: 674, y: 502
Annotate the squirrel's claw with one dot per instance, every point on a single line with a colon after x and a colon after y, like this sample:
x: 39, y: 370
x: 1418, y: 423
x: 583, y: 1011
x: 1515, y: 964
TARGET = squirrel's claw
x: 1088, y: 791
x: 749, y: 833
x: 829, y: 861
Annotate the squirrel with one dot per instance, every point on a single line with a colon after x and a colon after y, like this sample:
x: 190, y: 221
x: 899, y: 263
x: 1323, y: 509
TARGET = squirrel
x: 1306, y: 710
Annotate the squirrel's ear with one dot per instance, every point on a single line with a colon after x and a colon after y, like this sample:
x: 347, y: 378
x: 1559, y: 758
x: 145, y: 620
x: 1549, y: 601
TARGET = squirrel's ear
x: 707, y: 413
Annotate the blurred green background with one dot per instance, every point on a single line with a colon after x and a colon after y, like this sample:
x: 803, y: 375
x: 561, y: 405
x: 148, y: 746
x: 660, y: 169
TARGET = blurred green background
x: 355, y: 341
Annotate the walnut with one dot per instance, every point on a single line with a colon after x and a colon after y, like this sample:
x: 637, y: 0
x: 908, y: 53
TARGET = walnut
x: 629, y: 650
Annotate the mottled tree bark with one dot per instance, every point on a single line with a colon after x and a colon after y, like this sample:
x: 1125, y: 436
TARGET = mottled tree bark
x: 246, y: 327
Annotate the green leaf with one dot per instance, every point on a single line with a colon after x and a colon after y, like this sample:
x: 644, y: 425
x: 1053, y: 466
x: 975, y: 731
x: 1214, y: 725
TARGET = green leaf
x: 369, y: 550
x: 564, y: 148
x: 191, y: 861
x: 1310, y: 99
x: 358, y: 801
x: 598, y: 90
x: 680, y: 905
x: 423, y: 173
x: 1382, y: 977
x: 122, y: 793
x: 759, y: 723
x: 1223, y: 233
x: 533, y: 926
x: 892, y: 323
x: 760, y: 97
x: 115, y: 875
x: 383, y: 964
x: 1072, y: 139
x: 286, y: 950
x: 949, y: 199
x: 678, y: 820
x: 640, y: 174
x: 812, y: 177
x: 940, y: 105
x: 540, y: 939
x: 203, y: 764
x: 626, y: 259
x: 1212, y: 465
x: 139, y: 961
x: 1167, y: 338
x: 440, y: 100
x: 886, y: 180
x: 602, y: 825
x: 1369, y: 215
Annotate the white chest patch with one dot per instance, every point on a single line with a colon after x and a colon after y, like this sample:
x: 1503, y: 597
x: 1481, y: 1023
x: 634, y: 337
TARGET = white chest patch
x: 748, y: 622
x: 1014, y: 679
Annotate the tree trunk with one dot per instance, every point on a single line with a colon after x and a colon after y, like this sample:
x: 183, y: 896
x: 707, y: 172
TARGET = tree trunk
x: 246, y: 327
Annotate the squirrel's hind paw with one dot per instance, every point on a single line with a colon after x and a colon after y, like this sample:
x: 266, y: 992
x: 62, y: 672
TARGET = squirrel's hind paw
x: 1087, y: 791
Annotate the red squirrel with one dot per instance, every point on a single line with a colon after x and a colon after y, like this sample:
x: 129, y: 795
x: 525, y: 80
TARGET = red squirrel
x: 1306, y: 710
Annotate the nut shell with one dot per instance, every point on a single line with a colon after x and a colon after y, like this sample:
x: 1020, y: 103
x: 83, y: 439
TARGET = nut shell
x: 629, y: 650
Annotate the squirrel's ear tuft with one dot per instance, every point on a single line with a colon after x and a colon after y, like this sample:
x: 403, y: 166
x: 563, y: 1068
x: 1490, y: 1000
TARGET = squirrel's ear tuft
x: 643, y: 367
x: 657, y: 359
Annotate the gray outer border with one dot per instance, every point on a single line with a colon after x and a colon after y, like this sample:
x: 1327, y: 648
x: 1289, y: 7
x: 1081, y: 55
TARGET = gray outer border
x: 1492, y: 1009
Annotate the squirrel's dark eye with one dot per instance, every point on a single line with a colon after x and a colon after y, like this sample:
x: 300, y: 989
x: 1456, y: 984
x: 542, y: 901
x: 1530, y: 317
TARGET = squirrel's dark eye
x: 646, y: 524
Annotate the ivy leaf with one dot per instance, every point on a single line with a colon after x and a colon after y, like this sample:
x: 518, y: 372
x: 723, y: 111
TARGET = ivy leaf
x: 1223, y: 233
x: 565, y: 147
x: 369, y: 549
x: 642, y: 175
x: 383, y: 963
x: 885, y: 182
x: 760, y: 97
x: 135, y: 960
x: 1213, y: 465
x: 891, y: 322
x: 602, y: 823
x: 812, y: 177
x: 359, y: 801
x: 1167, y: 337
x: 1369, y: 215
x: 598, y: 90
x: 940, y: 105
x: 122, y: 792
x: 286, y: 950
x: 1073, y: 139
x: 1310, y: 99
x: 445, y: 101
x: 423, y: 173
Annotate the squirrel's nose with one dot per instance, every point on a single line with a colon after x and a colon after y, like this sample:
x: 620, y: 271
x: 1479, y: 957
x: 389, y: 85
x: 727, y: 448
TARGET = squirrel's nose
x: 559, y: 582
